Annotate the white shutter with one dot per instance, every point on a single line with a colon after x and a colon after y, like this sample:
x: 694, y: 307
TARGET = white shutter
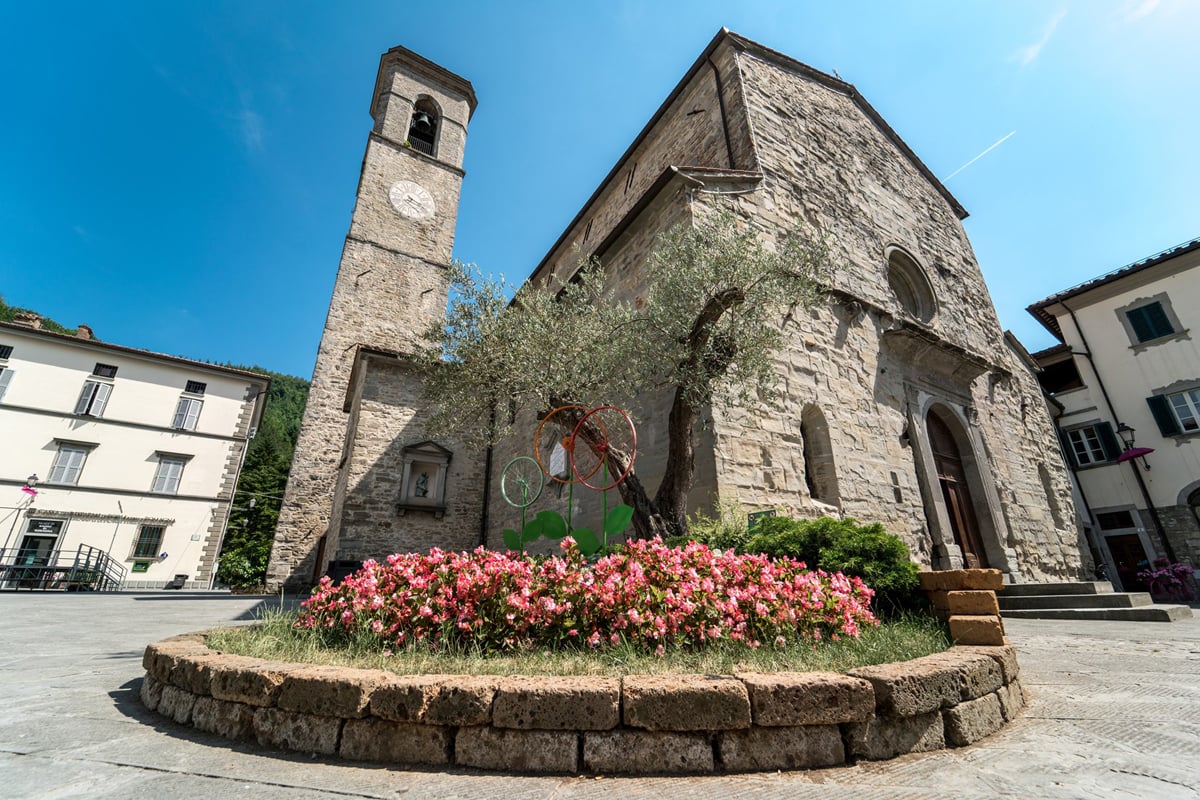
x: 102, y: 391
x: 67, y: 465
x: 85, y: 397
x: 193, y: 414
x: 166, y: 479
x: 180, y: 413
x: 5, y: 378
x: 74, y: 465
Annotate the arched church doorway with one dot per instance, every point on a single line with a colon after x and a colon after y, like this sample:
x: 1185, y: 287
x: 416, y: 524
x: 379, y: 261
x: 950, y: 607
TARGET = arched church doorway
x: 952, y: 478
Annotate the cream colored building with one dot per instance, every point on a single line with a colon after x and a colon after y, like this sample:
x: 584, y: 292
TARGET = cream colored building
x: 135, y: 454
x: 1127, y: 376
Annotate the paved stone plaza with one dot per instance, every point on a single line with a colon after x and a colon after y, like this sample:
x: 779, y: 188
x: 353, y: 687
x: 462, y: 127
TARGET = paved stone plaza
x: 1114, y: 711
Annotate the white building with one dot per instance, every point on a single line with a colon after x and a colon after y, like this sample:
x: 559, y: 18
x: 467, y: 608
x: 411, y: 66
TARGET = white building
x: 1127, y: 376
x: 132, y: 453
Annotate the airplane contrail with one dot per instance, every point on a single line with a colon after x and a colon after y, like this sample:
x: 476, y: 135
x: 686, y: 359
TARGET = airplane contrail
x: 996, y: 144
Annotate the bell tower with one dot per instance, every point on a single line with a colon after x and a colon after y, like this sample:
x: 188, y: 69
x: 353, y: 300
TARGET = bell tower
x: 391, y: 284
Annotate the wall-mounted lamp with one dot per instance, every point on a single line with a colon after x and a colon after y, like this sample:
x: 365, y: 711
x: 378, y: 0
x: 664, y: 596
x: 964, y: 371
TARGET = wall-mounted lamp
x: 1127, y: 438
x: 30, y: 483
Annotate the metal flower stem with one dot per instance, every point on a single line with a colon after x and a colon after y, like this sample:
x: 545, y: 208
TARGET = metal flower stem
x: 524, y: 505
x: 570, y: 496
x: 604, y: 504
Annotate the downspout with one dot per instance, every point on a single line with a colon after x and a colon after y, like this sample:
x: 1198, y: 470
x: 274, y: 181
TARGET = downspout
x: 1158, y: 526
x: 487, y: 486
x: 724, y: 120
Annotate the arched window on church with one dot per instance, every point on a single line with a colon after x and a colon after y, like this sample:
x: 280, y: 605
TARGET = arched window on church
x: 910, y: 286
x: 423, y: 130
x: 819, y: 472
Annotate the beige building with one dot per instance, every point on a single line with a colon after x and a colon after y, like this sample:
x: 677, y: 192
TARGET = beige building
x: 133, y: 456
x: 1126, y: 377
x: 905, y: 402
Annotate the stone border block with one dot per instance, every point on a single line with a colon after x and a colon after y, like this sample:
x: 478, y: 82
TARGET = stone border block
x: 909, y: 688
x: 976, y: 603
x: 685, y: 703
x: 976, y: 630
x: 517, y: 750
x: 404, y: 698
x: 249, y: 680
x: 961, y: 579
x: 977, y: 674
x: 1005, y: 656
x: 790, y: 699
x: 328, y: 691
x: 888, y: 737
x: 466, y: 701
x: 647, y: 752
x: 150, y: 692
x: 758, y: 749
x: 287, y: 730
x: 402, y: 743
x: 972, y: 720
x: 177, y: 704
x: 231, y: 720
x: 574, y: 703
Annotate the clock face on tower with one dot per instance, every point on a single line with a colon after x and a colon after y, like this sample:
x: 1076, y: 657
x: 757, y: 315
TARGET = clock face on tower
x: 412, y: 200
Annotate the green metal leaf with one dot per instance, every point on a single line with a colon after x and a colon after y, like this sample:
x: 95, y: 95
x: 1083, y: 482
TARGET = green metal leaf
x: 512, y: 539
x: 586, y: 540
x: 553, y: 524
x: 618, y: 520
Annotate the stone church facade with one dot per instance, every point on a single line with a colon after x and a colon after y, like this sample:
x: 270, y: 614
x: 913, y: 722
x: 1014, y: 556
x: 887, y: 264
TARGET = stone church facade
x: 903, y: 401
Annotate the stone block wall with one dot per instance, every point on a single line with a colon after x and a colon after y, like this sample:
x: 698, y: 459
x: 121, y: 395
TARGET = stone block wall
x: 673, y: 724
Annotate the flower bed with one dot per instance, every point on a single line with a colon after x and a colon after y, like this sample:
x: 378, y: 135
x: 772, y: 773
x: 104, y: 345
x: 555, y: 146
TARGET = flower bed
x: 647, y: 593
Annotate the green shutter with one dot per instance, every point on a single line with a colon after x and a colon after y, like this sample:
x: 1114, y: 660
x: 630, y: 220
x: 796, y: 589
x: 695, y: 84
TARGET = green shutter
x: 1158, y: 320
x: 1160, y: 407
x: 1067, y: 450
x: 1108, y: 441
x: 1141, y: 325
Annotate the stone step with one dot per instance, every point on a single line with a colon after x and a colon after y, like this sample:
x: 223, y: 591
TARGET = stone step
x: 1078, y: 587
x: 1109, y: 600
x: 1150, y: 613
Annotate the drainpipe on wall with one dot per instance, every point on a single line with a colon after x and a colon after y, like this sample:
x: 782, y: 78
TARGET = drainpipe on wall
x: 1087, y: 353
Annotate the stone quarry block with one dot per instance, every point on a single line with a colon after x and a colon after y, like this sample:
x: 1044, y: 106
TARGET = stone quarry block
x: 150, y: 692
x: 626, y: 751
x: 306, y: 733
x: 1005, y: 656
x: 402, y: 743
x: 231, y: 720
x: 404, y: 698
x: 976, y: 603
x: 160, y: 658
x: 685, y: 703
x: 464, y: 701
x: 888, y: 737
x: 909, y: 688
x: 976, y: 630
x: 977, y: 674
x: 1012, y: 700
x: 517, y: 750
x: 791, y: 699
x: 176, y: 704
x: 806, y: 747
x: 581, y: 704
x: 193, y: 672
x: 959, y: 579
x: 971, y: 721
x: 328, y: 691
x: 249, y: 681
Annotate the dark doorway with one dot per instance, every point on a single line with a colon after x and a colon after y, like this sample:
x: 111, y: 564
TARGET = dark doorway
x: 952, y: 477
x: 1129, y: 556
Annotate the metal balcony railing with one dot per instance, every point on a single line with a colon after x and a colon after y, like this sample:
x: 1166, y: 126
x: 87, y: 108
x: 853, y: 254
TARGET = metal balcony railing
x: 86, y: 569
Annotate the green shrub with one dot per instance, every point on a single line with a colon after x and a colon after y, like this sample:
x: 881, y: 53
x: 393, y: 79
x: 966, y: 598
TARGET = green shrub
x: 865, y: 551
x: 728, y: 530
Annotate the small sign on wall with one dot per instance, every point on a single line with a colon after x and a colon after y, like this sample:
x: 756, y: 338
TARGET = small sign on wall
x: 141, y: 566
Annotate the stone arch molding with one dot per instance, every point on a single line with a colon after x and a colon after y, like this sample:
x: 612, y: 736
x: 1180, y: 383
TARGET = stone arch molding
x: 909, y: 284
x: 1185, y: 497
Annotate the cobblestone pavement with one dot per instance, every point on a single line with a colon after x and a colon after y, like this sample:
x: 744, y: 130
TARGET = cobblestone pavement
x: 1114, y: 711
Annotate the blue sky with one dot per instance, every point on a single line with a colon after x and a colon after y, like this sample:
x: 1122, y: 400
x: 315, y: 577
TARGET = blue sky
x: 180, y: 176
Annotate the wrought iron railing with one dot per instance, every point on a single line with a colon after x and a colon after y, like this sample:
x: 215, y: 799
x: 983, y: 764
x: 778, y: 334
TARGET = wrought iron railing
x: 86, y: 569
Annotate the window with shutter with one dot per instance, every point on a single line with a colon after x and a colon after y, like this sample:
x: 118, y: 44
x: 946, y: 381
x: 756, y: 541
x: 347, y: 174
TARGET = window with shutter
x: 5, y: 379
x: 68, y: 464
x: 93, y: 398
x: 1149, y: 322
x: 1186, y: 406
x: 187, y: 413
x: 166, y: 478
x: 1092, y: 444
x: 149, y: 539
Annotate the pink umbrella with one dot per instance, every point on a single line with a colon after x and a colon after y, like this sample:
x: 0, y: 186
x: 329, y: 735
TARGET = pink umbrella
x: 1134, y: 452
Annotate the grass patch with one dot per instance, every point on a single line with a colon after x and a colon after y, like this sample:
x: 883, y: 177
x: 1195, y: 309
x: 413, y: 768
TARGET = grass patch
x: 275, y: 639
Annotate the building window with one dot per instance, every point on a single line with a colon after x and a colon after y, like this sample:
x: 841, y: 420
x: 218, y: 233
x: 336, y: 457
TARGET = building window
x: 820, y: 474
x: 104, y: 370
x: 68, y: 463
x: 1061, y: 376
x: 1149, y: 322
x: 186, y: 414
x: 93, y: 398
x: 149, y: 539
x: 195, y: 387
x: 1176, y: 413
x: 423, y: 130
x: 166, y: 477
x: 910, y: 286
x: 5, y: 379
x: 1092, y: 444
x: 5, y: 351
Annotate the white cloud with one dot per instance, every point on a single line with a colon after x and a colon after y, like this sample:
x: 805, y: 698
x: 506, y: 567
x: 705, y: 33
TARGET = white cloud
x: 1135, y: 10
x: 1027, y: 55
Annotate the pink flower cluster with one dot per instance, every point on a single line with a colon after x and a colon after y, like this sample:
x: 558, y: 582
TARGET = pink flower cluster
x: 649, y: 594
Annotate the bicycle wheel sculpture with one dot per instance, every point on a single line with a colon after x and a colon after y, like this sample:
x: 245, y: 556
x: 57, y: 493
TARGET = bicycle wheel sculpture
x: 521, y: 482
x: 604, y: 434
x: 552, y: 444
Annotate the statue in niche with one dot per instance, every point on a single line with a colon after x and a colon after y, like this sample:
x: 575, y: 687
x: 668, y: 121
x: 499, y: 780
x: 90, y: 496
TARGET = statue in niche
x: 421, y: 489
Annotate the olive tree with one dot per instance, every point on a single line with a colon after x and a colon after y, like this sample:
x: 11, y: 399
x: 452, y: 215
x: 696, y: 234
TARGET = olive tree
x: 714, y: 299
